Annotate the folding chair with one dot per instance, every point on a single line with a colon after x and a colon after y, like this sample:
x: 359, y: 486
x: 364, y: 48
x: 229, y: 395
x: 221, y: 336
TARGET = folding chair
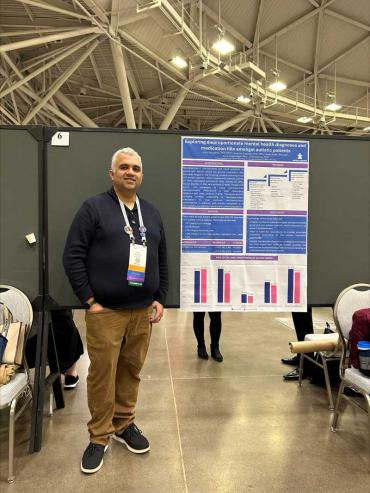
x: 19, y: 388
x: 326, y: 356
x: 350, y: 300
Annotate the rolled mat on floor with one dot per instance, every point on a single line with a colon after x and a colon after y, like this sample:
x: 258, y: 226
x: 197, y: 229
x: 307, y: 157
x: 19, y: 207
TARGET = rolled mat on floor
x: 313, y: 346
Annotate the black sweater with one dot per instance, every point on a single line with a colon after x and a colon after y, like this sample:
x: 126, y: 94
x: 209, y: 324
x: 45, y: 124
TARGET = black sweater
x: 96, y: 254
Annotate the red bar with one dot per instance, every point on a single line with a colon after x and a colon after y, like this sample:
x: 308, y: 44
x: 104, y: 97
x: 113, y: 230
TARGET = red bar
x: 297, y: 287
x: 227, y: 287
x: 203, y: 286
x: 273, y: 293
x: 250, y: 298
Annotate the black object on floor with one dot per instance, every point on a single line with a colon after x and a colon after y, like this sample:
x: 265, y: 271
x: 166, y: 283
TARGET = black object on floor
x: 202, y: 352
x: 293, y: 375
x: 70, y: 382
x: 215, y: 353
x: 294, y: 361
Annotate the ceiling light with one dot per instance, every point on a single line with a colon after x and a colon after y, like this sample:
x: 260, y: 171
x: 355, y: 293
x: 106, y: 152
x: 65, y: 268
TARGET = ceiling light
x: 223, y: 46
x: 333, y: 107
x: 367, y: 129
x: 179, y: 62
x: 304, y: 119
x: 277, y: 86
x: 243, y: 99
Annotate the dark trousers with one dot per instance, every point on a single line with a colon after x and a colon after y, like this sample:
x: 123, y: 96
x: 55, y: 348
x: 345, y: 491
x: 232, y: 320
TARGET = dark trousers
x: 214, y: 327
x: 303, y: 325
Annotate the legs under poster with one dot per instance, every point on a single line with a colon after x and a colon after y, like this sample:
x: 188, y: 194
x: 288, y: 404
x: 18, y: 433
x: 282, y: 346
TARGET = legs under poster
x: 244, y: 224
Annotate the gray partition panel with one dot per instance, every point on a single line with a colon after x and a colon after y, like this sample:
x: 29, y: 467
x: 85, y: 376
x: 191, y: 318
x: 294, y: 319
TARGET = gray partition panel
x: 339, y: 203
x: 339, y: 217
x: 19, y: 210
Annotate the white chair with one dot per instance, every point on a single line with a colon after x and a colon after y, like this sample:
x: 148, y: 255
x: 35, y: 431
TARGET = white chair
x: 19, y: 388
x: 350, y: 300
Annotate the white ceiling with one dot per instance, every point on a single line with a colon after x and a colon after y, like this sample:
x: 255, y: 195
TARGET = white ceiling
x: 120, y: 74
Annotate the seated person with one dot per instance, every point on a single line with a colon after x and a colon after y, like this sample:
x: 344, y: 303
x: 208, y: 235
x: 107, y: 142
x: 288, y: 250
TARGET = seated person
x: 68, y: 344
x: 303, y: 325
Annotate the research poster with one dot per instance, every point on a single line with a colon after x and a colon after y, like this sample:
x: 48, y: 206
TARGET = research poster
x: 244, y: 206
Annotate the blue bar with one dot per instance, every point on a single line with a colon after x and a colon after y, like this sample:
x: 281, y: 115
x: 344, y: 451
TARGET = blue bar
x: 244, y: 298
x: 267, y: 292
x: 196, y: 286
x: 290, y: 285
x: 220, y: 286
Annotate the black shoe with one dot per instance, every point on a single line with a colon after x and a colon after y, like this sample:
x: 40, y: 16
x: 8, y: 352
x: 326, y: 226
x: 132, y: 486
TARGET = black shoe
x: 215, y: 353
x: 133, y: 438
x: 70, y: 382
x: 291, y: 361
x: 92, y: 460
x: 328, y: 329
x: 202, y: 352
x: 293, y: 375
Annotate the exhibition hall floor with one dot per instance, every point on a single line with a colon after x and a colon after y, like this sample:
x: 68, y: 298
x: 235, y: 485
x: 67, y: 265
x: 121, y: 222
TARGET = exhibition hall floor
x: 231, y: 427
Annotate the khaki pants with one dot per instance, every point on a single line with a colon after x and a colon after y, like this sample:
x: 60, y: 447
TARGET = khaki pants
x: 117, y: 344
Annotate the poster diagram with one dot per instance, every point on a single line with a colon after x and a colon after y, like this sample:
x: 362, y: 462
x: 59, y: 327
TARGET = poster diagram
x: 244, y: 224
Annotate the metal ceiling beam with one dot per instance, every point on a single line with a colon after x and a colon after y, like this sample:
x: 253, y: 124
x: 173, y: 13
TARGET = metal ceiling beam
x: 49, y: 6
x: 181, y: 95
x: 347, y: 19
x: 273, y: 124
x: 27, y: 43
x: 345, y: 80
x: 45, y: 67
x: 256, y: 37
x: 27, y: 89
x: 229, y: 29
x: 74, y: 110
x: 232, y: 121
x: 8, y: 115
x: 35, y: 30
x: 316, y: 55
x: 96, y: 70
x: 284, y: 61
x: 152, y: 54
x: 120, y: 68
x: 263, y: 125
x: 292, y: 25
x: 59, y: 82
x: 98, y: 11
x: 333, y: 60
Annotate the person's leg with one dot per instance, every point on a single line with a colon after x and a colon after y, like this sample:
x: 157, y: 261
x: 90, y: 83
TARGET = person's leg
x: 303, y: 325
x: 131, y: 359
x: 198, y: 326
x: 68, y: 345
x: 105, y: 331
x: 215, y: 332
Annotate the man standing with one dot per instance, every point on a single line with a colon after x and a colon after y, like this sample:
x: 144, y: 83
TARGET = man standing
x: 115, y: 259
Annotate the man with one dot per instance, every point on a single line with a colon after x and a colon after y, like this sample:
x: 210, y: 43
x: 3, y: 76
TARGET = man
x: 115, y: 258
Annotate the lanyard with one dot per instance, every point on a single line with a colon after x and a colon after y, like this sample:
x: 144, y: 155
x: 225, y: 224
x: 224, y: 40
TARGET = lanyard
x: 127, y: 228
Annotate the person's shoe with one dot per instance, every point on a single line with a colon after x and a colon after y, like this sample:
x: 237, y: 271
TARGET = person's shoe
x: 92, y: 460
x: 291, y: 361
x: 133, y: 438
x: 293, y: 375
x: 202, y: 352
x: 215, y: 353
x: 70, y: 382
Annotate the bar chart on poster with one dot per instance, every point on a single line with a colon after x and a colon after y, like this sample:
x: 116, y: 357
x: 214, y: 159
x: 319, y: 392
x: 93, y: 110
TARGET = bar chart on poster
x: 244, y: 214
